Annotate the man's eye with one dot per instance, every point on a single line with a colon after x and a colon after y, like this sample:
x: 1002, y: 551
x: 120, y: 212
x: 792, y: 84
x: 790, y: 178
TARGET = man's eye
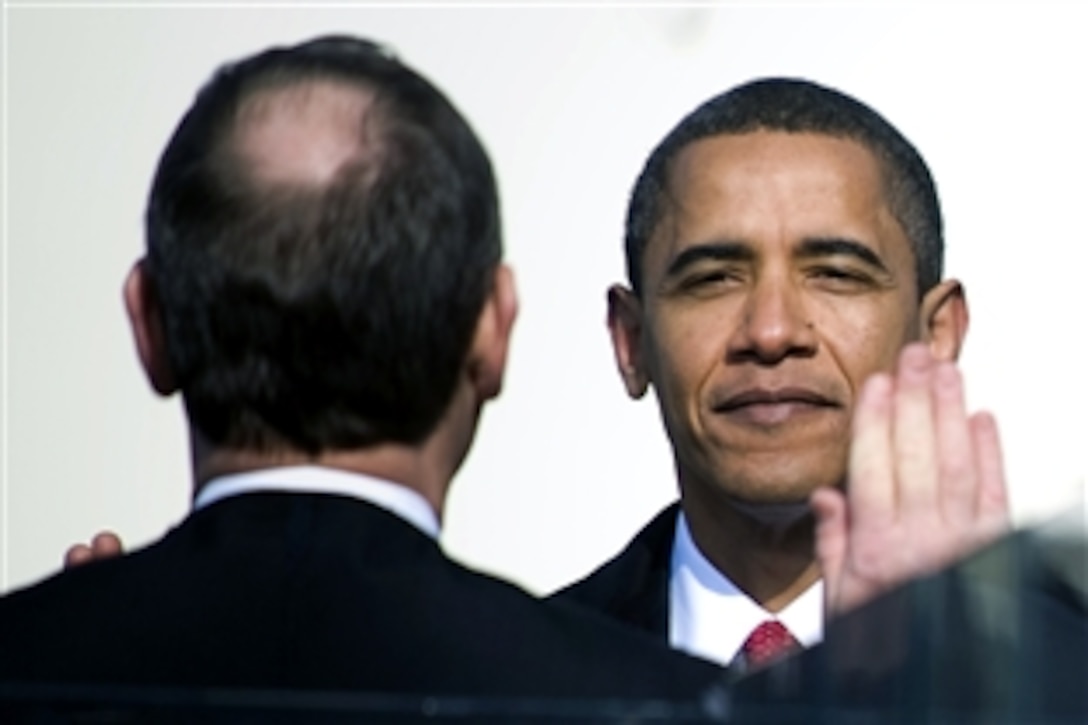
x: 709, y: 279
x: 835, y: 273
x: 841, y: 276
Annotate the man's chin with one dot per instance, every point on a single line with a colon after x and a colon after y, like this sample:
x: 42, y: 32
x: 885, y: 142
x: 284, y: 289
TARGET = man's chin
x: 778, y: 513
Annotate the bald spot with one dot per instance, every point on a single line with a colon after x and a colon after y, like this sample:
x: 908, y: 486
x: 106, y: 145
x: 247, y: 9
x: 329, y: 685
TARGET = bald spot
x: 303, y: 134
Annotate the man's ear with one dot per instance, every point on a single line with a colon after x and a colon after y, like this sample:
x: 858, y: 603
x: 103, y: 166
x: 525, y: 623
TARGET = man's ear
x: 625, y: 326
x: 491, y: 344
x: 145, y: 318
x: 944, y: 320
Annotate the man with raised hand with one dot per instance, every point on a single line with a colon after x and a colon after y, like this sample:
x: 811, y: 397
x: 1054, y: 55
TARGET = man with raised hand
x: 784, y: 243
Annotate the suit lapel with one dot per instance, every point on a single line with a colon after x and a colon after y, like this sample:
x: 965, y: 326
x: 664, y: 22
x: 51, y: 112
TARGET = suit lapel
x: 634, y: 586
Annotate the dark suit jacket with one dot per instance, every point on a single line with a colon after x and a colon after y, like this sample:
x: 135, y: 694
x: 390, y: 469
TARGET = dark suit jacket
x: 306, y: 591
x: 633, y: 587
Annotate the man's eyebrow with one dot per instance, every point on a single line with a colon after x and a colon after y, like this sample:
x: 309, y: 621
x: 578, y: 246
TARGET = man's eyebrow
x: 717, y: 251
x: 836, y: 246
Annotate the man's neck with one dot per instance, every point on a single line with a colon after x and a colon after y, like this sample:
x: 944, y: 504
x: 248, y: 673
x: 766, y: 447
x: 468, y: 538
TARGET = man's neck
x: 426, y: 467
x: 391, y: 462
x: 767, y: 551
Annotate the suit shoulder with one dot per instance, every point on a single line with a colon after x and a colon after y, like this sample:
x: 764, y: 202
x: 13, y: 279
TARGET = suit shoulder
x: 644, y: 563
x: 573, y: 651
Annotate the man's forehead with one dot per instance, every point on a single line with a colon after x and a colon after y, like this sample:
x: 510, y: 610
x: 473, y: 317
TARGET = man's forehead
x: 303, y: 133
x: 765, y: 183
x: 766, y: 212
x: 738, y: 161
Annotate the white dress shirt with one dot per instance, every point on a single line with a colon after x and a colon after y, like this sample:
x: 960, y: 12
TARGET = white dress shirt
x: 711, y: 618
x: 396, y: 498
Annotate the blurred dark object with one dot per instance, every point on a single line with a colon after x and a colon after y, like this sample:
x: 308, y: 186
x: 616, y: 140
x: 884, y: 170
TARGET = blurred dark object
x: 36, y: 704
x: 1000, y: 638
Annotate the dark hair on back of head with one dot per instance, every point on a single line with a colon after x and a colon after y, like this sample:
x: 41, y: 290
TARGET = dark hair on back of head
x: 796, y: 106
x: 332, y: 315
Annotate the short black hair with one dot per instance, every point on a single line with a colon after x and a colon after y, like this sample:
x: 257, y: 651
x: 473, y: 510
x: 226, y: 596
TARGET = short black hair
x: 327, y: 317
x: 797, y: 106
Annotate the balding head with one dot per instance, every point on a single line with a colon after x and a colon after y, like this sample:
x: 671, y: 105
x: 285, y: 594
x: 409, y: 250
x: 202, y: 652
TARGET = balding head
x: 305, y: 133
x: 323, y: 231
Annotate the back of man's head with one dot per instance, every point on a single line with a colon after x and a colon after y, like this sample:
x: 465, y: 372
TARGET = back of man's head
x: 322, y: 233
x: 797, y: 106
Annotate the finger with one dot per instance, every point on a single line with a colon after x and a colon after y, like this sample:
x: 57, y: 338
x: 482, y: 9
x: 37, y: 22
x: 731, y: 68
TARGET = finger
x: 829, y: 507
x: 913, y: 435
x: 993, y: 499
x: 76, y: 555
x: 958, y: 479
x: 871, y: 482
x: 106, y: 544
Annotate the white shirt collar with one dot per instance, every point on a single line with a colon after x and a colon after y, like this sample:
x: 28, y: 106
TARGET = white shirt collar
x: 709, y: 616
x: 396, y: 498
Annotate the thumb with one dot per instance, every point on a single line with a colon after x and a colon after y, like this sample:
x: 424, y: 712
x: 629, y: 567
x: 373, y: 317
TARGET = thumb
x: 829, y: 507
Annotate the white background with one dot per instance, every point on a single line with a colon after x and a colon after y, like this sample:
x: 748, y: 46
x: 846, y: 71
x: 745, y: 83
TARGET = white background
x: 569, y: 101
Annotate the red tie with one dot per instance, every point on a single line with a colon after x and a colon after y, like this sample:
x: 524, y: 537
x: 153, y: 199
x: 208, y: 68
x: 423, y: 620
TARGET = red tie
x: 767, y: 643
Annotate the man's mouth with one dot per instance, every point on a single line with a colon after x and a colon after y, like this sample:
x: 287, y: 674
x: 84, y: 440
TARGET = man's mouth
x: 766, y: 407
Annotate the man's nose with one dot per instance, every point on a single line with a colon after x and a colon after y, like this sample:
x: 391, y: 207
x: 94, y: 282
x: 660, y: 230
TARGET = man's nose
x: 774, y: 323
